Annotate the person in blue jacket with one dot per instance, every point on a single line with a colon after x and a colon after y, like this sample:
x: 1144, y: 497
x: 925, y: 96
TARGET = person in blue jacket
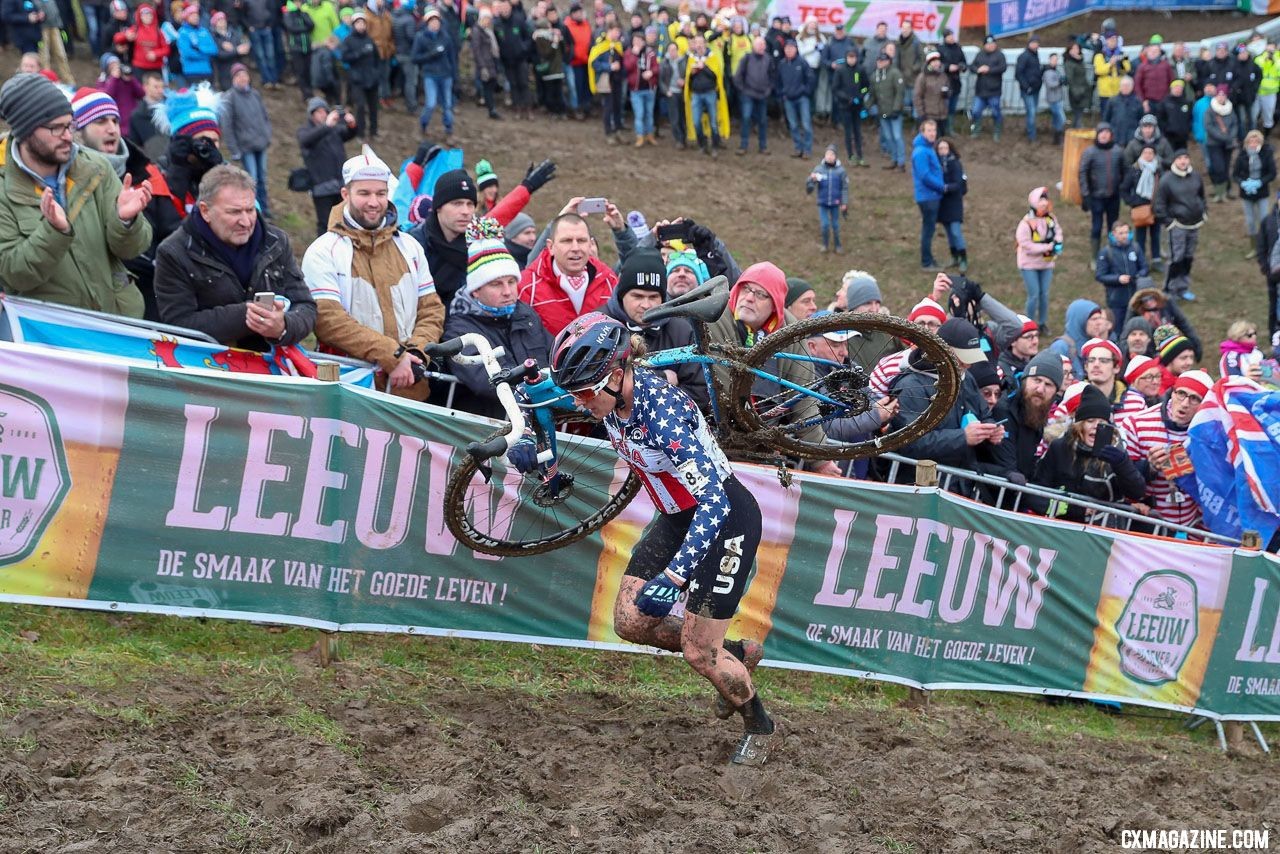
x: 926, y: 177
x: 196, y: 47
x: 832, y: 183
x: 795, y: 84
x: 434, y: 57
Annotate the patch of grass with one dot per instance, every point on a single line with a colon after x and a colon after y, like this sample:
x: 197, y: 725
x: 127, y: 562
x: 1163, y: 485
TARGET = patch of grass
x: 895, y: 846
x: 91, y: 660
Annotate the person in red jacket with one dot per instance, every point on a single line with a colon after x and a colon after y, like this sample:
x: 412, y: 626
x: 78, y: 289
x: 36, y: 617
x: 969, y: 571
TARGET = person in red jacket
x: 150, y: 47
x: 577, y: 30
x: 1152, y: 79
x: 565, y: 280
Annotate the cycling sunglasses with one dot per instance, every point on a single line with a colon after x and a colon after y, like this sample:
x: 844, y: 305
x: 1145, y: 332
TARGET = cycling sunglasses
x: 589, y: 393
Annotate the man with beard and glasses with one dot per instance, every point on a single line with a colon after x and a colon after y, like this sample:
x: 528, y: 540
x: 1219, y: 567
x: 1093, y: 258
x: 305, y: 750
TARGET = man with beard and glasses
x: 97, y: 118
x: 373, y: 288
x: 1029, y: 409
x: 67, y: 223
x: 210, y: 270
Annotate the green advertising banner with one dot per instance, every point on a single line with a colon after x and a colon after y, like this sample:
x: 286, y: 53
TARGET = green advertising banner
x: 127, y: 487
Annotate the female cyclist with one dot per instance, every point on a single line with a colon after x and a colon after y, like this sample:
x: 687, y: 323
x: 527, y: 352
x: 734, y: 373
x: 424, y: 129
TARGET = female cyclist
x: 704, y: 540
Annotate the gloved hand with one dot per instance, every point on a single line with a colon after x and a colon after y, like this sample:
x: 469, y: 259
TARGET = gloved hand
x: 1112, y: 455
x: 523, y: 455
x: 658, y: 596
x: 1057, y: 249
x: 1085, y: 204
x: 1251, y: 185
x: 700, y: 237
x: 425, y: 152
x: 539, y: 175
x: 1016, y: 477
x: 862, y: 114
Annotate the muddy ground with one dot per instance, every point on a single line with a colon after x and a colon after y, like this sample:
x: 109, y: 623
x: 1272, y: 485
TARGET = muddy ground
x: 584, y: 772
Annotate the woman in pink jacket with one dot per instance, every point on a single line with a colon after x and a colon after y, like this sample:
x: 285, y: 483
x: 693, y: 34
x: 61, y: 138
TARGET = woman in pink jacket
x: 1039, y: 238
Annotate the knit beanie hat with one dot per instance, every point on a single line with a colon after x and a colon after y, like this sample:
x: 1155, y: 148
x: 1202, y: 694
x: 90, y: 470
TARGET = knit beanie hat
x: 519, y: 223
x: 485, y: 175
x: 796, y: 288
x: 1102, y: 344
x: 1028, y: 325
x: 1170, y: 343
x: 28, y: 101
x: 643, y: 269
x: 927, y: 308
x: 860, y: 288
x: 237, y: 68
x: 1093, y: 404
x: 186, y: 116
x: 316, y: 103
x: 487, y: 255
x: 1046, y: 364
x: 1138, y: 366
x: 107, y: 60
x: 984, y: 373
x: 1071, y: 397
x: 420, y: 208
x: 688, y: 258
x: 89, y: 105
x: 1137, y: 323
x: 451, y: 186
x: 1196, y: 382
x: 639, y: 227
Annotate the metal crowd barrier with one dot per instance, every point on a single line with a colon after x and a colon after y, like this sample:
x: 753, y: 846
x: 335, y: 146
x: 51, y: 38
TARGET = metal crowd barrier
x: 1103, y: 514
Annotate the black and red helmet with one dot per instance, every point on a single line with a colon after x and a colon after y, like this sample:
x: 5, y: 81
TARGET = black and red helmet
x: 587, y: 349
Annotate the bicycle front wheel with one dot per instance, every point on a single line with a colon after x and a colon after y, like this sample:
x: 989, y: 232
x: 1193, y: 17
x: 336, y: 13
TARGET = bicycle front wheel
x: 515, y: 514
x: 786, y: 418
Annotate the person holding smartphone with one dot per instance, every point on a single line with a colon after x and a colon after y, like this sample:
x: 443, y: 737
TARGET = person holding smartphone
x: 1090, y: 459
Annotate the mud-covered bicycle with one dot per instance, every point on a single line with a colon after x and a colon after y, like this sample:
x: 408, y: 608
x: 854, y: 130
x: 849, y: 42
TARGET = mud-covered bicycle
x: 754, y: 413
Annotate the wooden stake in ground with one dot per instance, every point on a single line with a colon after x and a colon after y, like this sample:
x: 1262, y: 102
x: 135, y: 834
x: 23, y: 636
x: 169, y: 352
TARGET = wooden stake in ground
x: 926, y: 475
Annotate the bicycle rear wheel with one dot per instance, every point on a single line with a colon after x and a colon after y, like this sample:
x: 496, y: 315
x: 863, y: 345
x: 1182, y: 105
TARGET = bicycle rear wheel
x: 775, y: 418
x: 516, y: 514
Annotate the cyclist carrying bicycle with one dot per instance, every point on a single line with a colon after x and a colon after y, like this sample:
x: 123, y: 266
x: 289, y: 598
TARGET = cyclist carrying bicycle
x: 704, y: 541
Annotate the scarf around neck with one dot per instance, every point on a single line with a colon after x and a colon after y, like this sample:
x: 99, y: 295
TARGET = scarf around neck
x: 1147, y: 180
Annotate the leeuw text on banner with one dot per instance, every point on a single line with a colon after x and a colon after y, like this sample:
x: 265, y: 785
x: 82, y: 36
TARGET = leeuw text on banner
x: 1006, y: 17
x: 860, y: 19
x: 130, y: 487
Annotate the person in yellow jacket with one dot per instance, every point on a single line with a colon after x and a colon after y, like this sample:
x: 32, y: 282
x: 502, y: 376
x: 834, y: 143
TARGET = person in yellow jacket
x: 1109, y: 65
x: 706, y: 109
x: 606, y: 79
x: 1265, y: 106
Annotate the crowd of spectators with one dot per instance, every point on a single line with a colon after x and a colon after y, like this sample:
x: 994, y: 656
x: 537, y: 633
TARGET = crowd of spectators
x: 144, y: 199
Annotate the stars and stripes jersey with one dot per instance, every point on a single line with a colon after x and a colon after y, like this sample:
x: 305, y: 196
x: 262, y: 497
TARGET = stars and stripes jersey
x: 886, y: 369
x: 1143, y: 432
x: 669, y: 446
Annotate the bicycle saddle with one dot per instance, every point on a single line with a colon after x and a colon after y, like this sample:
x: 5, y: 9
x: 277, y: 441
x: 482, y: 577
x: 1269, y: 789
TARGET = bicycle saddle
x: 705, y: 303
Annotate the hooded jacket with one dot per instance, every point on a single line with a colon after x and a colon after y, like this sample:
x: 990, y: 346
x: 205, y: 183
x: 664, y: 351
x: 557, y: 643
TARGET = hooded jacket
x: 150, y: 47
x: 945, y: 444
x: 1123, y: 112
x: 1115, y: 261
x: 323, y: 151
x: 1036, y: 236
x: 1267, y: 173
x: 84, y: 268
x: 1079, y: 90
x: 197, y: 289
x: 1068, y: 344
x: 360, y: 55
x: 932, y: 94
x: 926, y: 171
x: 729, y: 330
x: 665, y: 335
x: 956, y: 185
x: 1164, y: 150
x: 1071, y: 466
x: 833, y: 186
x: 521, y: 336
x: 373, y: 291
x: 795, y: 78
x: 433, y: 54
x: 1169, y: 313
x: 540, y: 288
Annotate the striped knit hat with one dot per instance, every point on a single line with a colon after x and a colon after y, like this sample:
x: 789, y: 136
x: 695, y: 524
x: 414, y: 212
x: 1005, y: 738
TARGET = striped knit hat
x: 1071, y: 397
x: 1103, y: 344
x: 1138, y: 366
x: 927, y: 308
x: 487, y: 255
x: 1170, y: 343
x: 89, y: 105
